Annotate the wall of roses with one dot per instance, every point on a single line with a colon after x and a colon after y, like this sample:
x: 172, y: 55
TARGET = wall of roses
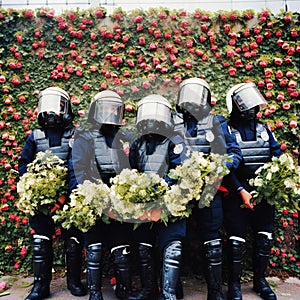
x: 138, y: 53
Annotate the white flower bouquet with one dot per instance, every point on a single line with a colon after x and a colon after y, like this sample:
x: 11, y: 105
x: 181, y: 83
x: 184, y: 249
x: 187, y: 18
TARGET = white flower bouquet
x: 87, y: 204
x: 197, y: 178
x: 278, y: 181
x: 137, y: 197
x: 42, y: 185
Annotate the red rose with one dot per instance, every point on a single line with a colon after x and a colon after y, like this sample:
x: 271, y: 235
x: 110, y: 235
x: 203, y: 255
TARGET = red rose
x: 277, y: 61
x: 287, y: 18
x: 231, y: 71
x: 293, y: 124
x: 2, y: 79
x: 268, y: 72
x: 99, y: 13
x: 279, y: 124
x: 8, y: 248
x: 286, y: 106
x: 280, y: 97
x: 138, y: 19
x: 289, y: 74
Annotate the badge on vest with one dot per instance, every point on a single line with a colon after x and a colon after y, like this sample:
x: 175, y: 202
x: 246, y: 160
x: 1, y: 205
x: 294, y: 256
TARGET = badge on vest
x: 265, y: 136
x: 178, y: 148
x: 209, y: 136
x: 71, y: 142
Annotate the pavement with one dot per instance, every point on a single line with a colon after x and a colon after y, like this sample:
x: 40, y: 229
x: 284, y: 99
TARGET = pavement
x: 194, y: 289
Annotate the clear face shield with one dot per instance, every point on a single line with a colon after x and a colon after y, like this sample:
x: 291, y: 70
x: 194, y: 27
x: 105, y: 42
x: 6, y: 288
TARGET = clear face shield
x: 154, y: 116
x: 194, y: 98
x: 109, y: 112
x: 52, y: 103
x: 193, y: 93
x: 248, y: 97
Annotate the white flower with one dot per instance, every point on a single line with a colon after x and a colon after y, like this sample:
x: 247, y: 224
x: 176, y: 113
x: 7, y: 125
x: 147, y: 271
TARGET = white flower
x: 45, y: 180
x: 278, y: 182
x: 88, y: 202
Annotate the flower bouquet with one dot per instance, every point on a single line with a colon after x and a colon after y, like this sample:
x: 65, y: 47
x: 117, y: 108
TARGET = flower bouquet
x: 278, y: 182
x: 197, y: 178
x: 43, y: 184
x: 137, y: 197
x: 87, y: 204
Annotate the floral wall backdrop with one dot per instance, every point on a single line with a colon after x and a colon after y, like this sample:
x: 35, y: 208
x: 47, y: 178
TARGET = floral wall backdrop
x: 138, y: 53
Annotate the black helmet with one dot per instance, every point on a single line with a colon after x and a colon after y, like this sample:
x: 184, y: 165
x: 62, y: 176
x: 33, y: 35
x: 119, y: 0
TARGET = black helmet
x: 54, y: 108
x: 107, y: 107
x: 194, y: 98
x: 243, y: 100
x: 154, y: 115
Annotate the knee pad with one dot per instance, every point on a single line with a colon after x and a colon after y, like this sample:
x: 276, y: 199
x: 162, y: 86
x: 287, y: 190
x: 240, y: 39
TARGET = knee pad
x: 214, y: 251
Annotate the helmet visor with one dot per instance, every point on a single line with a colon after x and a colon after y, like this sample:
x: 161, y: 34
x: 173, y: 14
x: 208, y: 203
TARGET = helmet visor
x: 154, y: 111
x: 193, y: 93
x: 52, y: 103
x: 247, y: 98
x: 109, y: 112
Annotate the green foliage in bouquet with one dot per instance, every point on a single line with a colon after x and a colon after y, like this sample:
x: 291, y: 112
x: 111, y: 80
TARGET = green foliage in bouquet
x: 42, y: 184
x: 87, y: 203
x: 278, y: 182
x: 136, y: 197
x: 197, y: 178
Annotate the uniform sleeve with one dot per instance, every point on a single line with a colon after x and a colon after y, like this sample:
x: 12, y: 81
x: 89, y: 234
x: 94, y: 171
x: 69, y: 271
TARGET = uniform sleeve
x: 78, y: 162
x: 231, y: 144
x: 28, y: 154
x: 274, y: 146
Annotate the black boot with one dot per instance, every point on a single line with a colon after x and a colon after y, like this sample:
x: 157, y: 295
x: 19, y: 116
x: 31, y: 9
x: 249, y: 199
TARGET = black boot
x: 171, y: 270
x: 42, y: 268
x: 94, y: 272
x: 261, y: 261
x: 120, y: 258
x: 147, y: 273
x: 179, y: 289
x: 213, y: 272
x: 237, y: 252
x: 73, y: 255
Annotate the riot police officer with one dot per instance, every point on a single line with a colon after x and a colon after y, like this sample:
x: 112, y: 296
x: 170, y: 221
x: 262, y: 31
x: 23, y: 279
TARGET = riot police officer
x: 98, y: 153
x: 55, y: 118
x: 203, y: 131
x: 158, y: 150
x: 258, y: 146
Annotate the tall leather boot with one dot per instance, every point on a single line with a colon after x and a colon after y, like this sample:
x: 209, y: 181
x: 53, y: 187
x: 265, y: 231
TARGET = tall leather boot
x: 236, y: 257
x: 73, y: 256
x: 213, y: 272
x: 42, y: 268
x: 261, y: 261
x: 172, y: 257
x: 120, y: 258
x: 94, y: 272
x: 147, y: 274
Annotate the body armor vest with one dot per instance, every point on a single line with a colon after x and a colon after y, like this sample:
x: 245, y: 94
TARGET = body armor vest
x: 156, y: 162
x: 42, y: 144
x: 108, y: 159
x: 204, y: 135
x: 255, y: 153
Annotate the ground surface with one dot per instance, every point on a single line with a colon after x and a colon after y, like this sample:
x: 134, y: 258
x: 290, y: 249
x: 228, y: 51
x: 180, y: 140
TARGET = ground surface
x: 194, y: 289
